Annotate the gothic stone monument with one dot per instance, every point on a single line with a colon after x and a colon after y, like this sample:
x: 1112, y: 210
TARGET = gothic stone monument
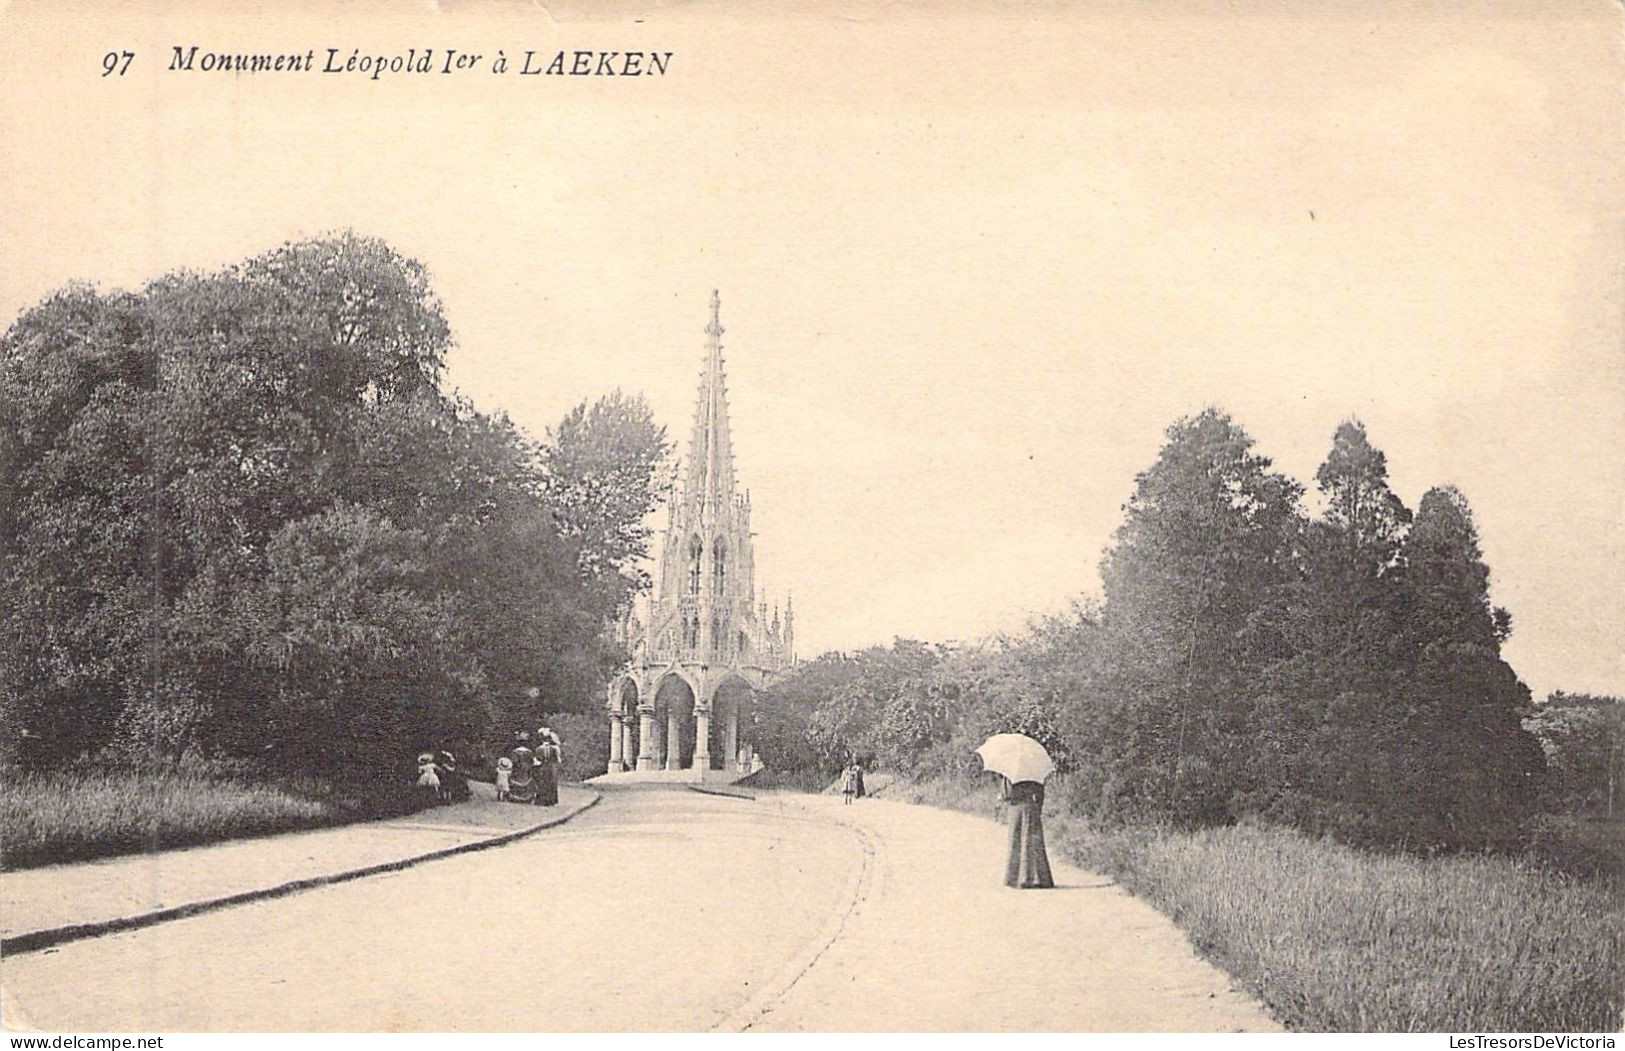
x: 681, y: 710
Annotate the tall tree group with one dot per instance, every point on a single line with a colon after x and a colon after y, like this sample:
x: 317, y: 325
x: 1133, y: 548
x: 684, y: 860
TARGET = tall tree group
x: 1341, y: 673
x: 240, y: 519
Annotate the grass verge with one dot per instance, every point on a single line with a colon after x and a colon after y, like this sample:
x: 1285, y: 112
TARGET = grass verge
x: 75, y: 816
x: 1336, y: 939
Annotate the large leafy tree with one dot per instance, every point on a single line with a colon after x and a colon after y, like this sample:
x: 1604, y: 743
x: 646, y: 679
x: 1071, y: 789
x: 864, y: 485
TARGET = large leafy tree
x: 990, y: 689
x: 887, y: 704
x: 884, y: 710
x: 241, y: 517
x: 782, y: 718
x: 362, y: 642
x: 599, y: 476
x: 601, y: 468
x: 1482, y: 768
x: 78, y: 378
x: 1331, y: 712
x: 1352, y: 548
x: 1195, y: 586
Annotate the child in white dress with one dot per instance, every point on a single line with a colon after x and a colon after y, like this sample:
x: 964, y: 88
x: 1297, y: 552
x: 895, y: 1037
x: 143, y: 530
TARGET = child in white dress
x: 504, y: 772
x: 428, y: 776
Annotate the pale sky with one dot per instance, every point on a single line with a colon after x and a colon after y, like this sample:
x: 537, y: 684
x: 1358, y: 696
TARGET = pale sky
x: 973, y: 259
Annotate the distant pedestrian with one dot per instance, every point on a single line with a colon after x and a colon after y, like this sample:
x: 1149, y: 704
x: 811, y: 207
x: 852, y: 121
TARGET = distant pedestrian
x: 849, y: 783
x: 1028, y: 864
x: 504, y: 773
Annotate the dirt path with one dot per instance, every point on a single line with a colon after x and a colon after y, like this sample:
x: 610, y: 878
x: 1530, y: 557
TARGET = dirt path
x: 659, y: 910
x: 628, y: 918
x: 938, y: 944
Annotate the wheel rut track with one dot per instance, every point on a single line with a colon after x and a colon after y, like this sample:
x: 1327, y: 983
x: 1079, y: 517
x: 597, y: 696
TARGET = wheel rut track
x: 859, y: 886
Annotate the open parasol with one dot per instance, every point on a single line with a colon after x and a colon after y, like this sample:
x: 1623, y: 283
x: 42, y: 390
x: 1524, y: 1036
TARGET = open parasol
x: 1016, y: 756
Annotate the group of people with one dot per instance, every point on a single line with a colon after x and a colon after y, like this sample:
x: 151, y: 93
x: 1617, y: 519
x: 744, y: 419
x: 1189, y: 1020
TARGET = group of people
x: 529, y: 773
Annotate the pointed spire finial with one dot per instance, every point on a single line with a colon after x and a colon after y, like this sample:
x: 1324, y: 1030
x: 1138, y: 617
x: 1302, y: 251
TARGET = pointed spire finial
x: 714, y: 329
x: 710, y: 474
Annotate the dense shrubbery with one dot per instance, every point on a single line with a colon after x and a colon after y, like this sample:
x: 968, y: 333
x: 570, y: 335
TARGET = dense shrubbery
x: 1340, y: 674
x: 241, y: 522
x: 585, y: 737
x: 1583, y: 737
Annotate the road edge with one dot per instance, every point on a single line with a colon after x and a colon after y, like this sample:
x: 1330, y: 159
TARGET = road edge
x: 33, y: 941
x: 704, y: 791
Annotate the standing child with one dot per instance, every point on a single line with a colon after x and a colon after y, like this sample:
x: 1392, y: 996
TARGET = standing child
x: 849, y: 783
x: 428, y: 777
x: 504, y: 772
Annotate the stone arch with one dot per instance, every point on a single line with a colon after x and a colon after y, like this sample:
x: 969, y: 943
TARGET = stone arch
x: 673, y: 723
x: 625, y: 724
x: 733, y: 701
x: 665, y: 681
x: 626, y: 696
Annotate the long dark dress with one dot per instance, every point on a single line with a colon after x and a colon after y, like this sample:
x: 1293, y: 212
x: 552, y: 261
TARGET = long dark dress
x: 522, y: 778
x: 547, y: 775
x: 1028, y: 864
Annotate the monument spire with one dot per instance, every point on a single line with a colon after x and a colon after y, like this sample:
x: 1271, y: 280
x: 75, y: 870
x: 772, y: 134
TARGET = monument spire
x: 710, y: 482
x: 683, y: 702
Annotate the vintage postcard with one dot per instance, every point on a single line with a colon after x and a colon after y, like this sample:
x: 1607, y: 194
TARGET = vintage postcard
x: 710, y: 516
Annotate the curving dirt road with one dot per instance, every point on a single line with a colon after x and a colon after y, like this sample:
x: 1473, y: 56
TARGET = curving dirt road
x: 660, y: 910
x: 937, y: 943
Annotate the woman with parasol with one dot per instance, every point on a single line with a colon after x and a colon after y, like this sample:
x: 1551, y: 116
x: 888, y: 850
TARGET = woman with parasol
x: 1023, y: 765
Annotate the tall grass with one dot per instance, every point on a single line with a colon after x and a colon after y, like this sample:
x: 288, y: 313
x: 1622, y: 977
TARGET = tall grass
x: 1336, y: 939
x: 79, y: 815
